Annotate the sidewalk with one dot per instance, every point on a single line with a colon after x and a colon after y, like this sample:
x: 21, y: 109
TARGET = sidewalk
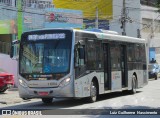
x: 11, y: 96
x: 13, y: 89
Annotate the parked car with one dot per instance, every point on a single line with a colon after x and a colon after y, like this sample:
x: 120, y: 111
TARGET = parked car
x: 153, y: 70
x: 6, y: 81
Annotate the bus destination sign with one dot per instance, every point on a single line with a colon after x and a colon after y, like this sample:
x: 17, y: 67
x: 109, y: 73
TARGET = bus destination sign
x: 46, y: 36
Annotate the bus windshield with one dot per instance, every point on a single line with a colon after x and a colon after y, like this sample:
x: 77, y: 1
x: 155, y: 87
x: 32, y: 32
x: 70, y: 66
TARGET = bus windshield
x: 45, y: 57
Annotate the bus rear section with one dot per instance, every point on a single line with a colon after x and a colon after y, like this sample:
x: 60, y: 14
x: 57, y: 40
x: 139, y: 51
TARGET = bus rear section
x: 108, y: 63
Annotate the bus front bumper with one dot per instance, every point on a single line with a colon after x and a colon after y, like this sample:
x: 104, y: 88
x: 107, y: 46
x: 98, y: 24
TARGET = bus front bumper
x: 60, y: 92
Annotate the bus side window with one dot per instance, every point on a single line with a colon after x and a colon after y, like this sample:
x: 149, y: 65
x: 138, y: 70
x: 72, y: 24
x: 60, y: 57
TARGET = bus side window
x: 91, y: 55
x: 80, y: 67
x: 130, y: 52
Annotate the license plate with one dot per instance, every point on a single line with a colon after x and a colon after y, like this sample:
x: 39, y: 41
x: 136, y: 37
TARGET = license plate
x: 43, y: 93
x: 42, y: 78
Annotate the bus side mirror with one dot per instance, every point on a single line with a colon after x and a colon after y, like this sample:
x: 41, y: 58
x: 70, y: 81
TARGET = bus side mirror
x: 14, y: 49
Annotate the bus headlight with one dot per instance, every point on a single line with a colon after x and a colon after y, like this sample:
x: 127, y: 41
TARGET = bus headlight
x: 64, y: 82
x: 22, y: 83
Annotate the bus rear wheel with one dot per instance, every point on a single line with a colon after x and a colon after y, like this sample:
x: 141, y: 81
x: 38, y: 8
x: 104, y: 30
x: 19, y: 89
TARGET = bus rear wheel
x: 134, y: 85
x: 47, y: 100
x: 93, y: 92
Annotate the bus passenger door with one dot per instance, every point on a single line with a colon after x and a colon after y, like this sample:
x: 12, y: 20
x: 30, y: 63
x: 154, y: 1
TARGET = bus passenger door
x: 124, y: 66
x: 107, y: 67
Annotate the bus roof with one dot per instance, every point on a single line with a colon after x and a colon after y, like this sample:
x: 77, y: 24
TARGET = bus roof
x: 114, y: 37
x: 100, y: 35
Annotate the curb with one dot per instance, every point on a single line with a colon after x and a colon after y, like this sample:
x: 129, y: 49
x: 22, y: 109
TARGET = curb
x: 13, y: 89
x: 152, y: 79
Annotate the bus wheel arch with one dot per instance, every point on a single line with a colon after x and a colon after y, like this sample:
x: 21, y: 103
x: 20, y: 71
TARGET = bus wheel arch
x: 94, y: 90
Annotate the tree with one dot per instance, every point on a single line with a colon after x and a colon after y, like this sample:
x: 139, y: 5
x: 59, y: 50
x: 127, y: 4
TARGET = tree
x: 158, y: 5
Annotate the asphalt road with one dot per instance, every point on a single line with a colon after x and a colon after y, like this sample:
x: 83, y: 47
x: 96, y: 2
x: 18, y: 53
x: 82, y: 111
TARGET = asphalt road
x: 147, y: 97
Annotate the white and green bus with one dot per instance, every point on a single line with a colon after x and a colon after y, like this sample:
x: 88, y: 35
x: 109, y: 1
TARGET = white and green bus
x: 70, y: 63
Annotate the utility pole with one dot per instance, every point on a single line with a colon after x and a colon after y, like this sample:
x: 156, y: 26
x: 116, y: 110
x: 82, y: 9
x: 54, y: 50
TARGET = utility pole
x: 96, y: 23
x: 20, y: 18
x: 123, y: 18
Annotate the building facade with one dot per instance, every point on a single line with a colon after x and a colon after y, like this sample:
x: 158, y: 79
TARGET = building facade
x: 38, y: 4
x: 8, y: 32
x: 131, y: 17
x: 151, y: 28
x: 142, y: 19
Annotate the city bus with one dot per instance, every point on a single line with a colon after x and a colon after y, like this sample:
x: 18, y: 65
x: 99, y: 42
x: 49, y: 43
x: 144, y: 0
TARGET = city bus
x: 72, y: 63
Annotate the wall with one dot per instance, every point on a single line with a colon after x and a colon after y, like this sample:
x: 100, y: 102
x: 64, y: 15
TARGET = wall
x: 152, y: 32
x: 151, y: 14
x: 133, y: 12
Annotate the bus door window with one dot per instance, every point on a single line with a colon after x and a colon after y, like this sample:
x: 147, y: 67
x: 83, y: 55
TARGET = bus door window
x: 99, y: 55
x: 130, y: 56
x: 124, y: 65
x: 107, y: 67
x: 79, y: 56
x: 91, y: 55
x: 115, y: 66
x: 115, y: 58
x: 79, y: 60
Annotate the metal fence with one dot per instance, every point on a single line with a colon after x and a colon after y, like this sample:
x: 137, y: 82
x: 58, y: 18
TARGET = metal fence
x: 5, y: 47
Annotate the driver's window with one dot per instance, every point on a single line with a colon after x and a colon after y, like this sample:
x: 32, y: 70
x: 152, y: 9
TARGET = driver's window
x: 80, y: 56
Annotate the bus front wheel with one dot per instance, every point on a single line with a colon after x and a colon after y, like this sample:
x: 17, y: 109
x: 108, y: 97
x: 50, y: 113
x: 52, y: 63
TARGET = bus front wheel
x: 93, y: 92
x: 156, y: 76
x: 47, y: 100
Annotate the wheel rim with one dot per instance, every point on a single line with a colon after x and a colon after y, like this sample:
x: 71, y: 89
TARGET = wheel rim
x: 93, y: 92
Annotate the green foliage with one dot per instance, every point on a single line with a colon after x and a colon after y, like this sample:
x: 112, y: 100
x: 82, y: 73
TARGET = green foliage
x: 158, y: 5
x: 158, y: 1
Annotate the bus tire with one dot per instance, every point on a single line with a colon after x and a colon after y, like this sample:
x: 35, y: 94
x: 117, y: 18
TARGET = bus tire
x: 156, y: 77
x: 93, y: 92
x: 25, y: 98
x: 134, y: 85
x: 47, y: 100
